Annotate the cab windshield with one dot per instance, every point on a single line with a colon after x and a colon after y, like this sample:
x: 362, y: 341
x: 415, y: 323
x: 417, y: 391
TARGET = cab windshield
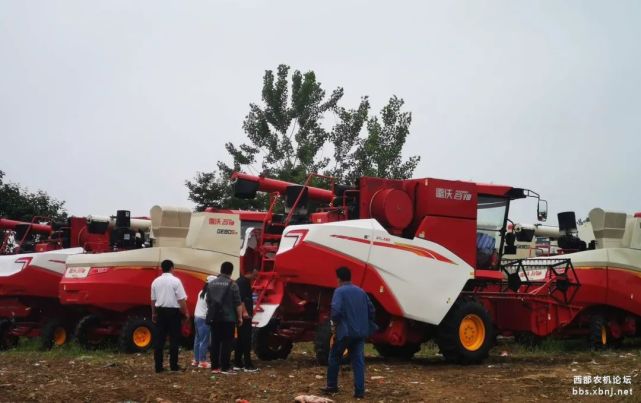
x: 490, y: 219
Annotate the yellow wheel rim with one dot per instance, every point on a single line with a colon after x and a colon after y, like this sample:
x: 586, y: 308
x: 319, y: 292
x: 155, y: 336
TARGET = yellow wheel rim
x: 472, y: 332
x: 142, y: 336
x: 59, y: 336
x: 604, y: 336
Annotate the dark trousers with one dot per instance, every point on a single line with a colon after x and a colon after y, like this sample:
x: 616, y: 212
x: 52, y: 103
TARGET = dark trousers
x: 168, y: 323
x: 222, y: 339
x: 242, y: 356
x: 356, y: 348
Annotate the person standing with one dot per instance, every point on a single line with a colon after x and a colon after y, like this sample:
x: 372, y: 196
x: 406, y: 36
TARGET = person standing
x: 353, y: 315
x: 242, y: 356
x: 168, y: 302
x: 224, y: 312
x: 201, y: 339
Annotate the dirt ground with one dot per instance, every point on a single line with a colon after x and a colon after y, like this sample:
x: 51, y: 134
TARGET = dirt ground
x: 511, y: 374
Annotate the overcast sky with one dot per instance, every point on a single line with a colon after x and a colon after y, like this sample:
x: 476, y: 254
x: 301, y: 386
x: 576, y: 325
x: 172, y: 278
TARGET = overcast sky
x: 112, y: 105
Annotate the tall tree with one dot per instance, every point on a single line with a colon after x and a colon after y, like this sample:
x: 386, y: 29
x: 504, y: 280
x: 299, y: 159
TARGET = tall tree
x: 379, y: 153
x: 287, y: 140
x: 20, y: 204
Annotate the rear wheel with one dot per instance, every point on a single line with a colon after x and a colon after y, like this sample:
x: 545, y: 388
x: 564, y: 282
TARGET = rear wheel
x: 136, y: 335
x: 528, y: 339
x: 54, y: 334
x: 7, y: 340
x: 465, y: 336
x: 599, y: 337
x: 404, y: 352
x: 269, y: 345
x: 86, y: 334
x: 324, y: 339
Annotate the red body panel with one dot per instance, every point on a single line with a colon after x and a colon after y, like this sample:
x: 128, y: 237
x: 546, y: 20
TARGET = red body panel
x: 120, y: 289
x: 320, y: 264
x: 31, y: 281
x: 624, y: 289
x: 437, y: 197
x: 594, y: 286
x: 320, y: 268
x: 456, y: 234
x: 13, y: 307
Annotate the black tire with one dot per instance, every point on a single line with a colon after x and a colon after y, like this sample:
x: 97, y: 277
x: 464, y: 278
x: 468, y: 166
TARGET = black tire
x: 599, y: 337
x: 7, y: 340
x: 463, y: 312
x: 54, y: 334
x: 405, y: 352
x: 528, y: 339
x: 269, y: 346
x: 84, y: 333
x: 323, y: 344
x: 136, y: 335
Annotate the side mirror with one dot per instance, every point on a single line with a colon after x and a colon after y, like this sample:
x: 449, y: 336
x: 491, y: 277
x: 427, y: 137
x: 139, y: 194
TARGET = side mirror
x: 542, y: 210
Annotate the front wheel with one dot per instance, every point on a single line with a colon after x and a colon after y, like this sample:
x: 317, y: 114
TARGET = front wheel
x: 136, y: 335
x: 86, y: 334
x: 269, y: 345
x: 324, y: 340
x: 405, y: 352
x: 528, y: 339
x: 54, y: 334
x: 465, y: 336
x: 7, y: 340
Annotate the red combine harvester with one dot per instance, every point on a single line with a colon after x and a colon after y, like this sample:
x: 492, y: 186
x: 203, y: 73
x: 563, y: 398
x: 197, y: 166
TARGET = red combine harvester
x: 420, y: 248
x: 601, y: 297
x: 429, y: 253
x: 29, y: 280
x: 114, y: 288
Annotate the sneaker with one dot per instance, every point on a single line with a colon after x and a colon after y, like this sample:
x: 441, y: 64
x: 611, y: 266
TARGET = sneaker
x: 159, y: 370
x: 359, y: 396
x: 215, y: 370
x: 194, y: 363
x: 229, y: 372
x: 176, y: 369
x: 251, y: 369
x: 204, y: 364
x: 237, y: 369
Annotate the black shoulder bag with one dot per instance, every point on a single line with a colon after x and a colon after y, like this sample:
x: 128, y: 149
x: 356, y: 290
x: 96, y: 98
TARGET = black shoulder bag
x: 215, y: 311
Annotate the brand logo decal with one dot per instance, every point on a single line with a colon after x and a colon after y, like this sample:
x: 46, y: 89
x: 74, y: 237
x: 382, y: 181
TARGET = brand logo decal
x: 451, y: 194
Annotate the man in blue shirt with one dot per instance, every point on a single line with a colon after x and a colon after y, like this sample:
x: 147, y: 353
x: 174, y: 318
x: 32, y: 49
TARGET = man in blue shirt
x: 353, y: 316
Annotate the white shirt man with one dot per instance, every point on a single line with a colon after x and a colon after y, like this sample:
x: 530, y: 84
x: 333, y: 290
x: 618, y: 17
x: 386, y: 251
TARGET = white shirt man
x: 167, y: 290
x: 168, y: 301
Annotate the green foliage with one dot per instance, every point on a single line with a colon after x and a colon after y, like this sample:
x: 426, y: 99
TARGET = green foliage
x: 287, y: 139
x: 212, y: 189
x: 19, y: 204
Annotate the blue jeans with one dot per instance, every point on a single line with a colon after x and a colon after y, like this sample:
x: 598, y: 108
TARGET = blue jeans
x: 201, y: 343
x: 357, y: 354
